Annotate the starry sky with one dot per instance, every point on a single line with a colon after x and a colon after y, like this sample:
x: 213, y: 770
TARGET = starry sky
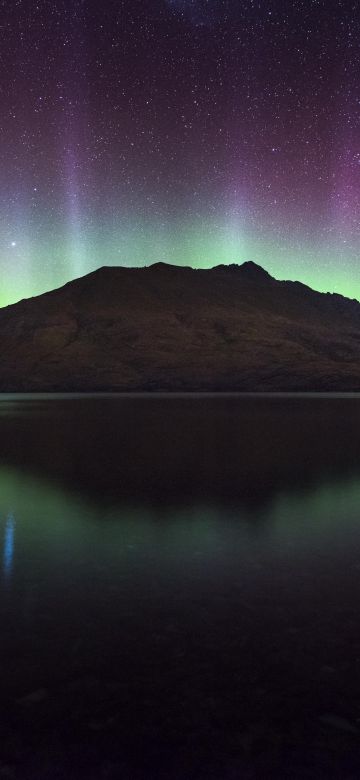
x: 196, y: 132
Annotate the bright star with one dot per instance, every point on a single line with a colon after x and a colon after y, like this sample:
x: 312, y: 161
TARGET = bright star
x: 13, y: 243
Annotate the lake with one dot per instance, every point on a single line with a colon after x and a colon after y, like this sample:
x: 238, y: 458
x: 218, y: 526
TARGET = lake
x: 180, y: 587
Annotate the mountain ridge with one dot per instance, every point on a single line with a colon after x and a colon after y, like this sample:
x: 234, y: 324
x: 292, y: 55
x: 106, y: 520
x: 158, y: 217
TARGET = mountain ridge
x: 166, y: 327
x: 256, y: 271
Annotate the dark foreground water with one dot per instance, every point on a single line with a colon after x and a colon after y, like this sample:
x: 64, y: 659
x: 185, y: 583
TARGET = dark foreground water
x: 179, y: 587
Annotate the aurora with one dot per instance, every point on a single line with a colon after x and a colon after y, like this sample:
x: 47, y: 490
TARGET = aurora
x: 188, y: 132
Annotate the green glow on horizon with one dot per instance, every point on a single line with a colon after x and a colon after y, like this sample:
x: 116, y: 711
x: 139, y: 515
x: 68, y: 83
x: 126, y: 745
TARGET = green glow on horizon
x: 55, y: 255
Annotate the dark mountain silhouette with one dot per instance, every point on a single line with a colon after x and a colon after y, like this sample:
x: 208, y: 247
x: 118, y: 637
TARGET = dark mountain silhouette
x: 173, y: 328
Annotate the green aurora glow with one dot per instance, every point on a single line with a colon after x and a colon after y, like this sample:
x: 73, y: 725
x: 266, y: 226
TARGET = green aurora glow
x: 51, y: 257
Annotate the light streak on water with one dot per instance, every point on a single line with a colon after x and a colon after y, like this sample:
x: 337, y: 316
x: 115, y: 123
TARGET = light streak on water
x: 9, y: 544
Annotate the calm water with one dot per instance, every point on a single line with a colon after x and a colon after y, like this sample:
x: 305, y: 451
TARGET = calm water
x: 180, y: 587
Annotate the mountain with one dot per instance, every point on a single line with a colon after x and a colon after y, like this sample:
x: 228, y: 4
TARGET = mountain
x: 163, y: 327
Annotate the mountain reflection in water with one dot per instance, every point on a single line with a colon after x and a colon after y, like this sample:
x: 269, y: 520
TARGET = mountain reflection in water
x: 179, y: 588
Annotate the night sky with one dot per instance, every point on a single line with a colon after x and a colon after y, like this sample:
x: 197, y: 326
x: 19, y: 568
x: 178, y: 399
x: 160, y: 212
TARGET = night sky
x: 196, y: 132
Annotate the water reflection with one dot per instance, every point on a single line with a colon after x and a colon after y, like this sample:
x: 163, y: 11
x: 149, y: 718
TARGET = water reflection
x: 183, y: 450
x: 9, y: 544
x: 172, y: 607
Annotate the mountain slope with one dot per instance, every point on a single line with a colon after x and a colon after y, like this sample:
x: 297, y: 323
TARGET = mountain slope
x: 172, y: 328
